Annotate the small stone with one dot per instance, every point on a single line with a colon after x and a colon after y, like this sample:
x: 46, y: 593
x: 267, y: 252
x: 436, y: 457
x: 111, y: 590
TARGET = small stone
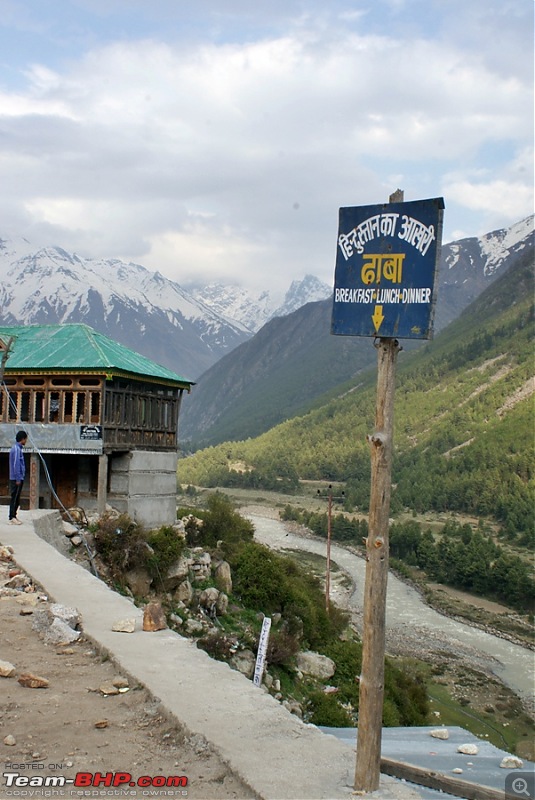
x: 440, y: 733
x: 102, y: 723
x: 25, y: 611
x: 194, y: 626
x: 7, y: 670
x: 124, y: 626
x: 457, y: 771
x: 10, y: 740
x: 12, y: 572
x: 511, y: 762
x: 30, y: 681
x: 76, y: 541
x: 120, y: 682
x: 468, y: 749
x: 108, y: 689
x: 6, y: 552
x: 154, y: 617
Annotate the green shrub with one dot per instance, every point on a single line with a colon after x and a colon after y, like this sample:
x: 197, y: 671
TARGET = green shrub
x: 325, y: 709
x: 168, y: 546
x: 221, y: 523
x: 124, y: 545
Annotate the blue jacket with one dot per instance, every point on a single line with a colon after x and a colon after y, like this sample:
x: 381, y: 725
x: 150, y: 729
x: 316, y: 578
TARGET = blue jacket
x: 17, y: 467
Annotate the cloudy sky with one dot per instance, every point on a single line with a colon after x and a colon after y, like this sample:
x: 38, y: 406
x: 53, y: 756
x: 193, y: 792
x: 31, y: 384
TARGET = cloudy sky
x: 216, y: 139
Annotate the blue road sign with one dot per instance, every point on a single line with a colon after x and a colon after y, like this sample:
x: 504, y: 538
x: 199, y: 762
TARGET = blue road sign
x: 386, y: 267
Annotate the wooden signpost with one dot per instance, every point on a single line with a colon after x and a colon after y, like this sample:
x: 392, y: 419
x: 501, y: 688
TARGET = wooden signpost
x: 385, y: 287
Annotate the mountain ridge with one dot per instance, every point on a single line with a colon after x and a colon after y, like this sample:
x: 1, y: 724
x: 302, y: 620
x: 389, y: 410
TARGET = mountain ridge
x: 137, y: 307
x: 463, y: 438
x: 292, y: 361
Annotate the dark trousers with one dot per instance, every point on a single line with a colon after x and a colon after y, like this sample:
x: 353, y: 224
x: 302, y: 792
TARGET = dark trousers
x: 16, y: 491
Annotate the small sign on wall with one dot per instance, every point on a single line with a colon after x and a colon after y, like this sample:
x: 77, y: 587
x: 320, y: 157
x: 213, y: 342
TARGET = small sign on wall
x: 90, y: 432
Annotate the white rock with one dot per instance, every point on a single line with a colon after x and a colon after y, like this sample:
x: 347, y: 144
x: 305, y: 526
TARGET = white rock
x: 10, y: 740
x: 60, y: 633
x: 511, y: 762
x: 124, y: 626
x: 457, y: 771
x: 440, y: 733
x: 69, y: 529
x: 468, y: 749
x: 71, y: 616
x: 7, y: 670
x: 315, y: 664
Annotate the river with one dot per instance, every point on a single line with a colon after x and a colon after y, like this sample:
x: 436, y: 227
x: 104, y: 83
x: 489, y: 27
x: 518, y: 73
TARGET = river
x: 409, y: 618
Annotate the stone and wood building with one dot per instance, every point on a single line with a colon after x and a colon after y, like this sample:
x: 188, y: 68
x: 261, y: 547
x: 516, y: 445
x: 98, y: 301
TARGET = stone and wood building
x: 102, y: 422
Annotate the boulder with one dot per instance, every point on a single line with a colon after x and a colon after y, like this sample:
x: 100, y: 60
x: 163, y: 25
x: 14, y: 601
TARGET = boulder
x: 221, y: 606
x: 60, y: 633
x: 244, y: 661
x: 223, y: 577
x: 138, y: 581
x: 71, y: 616
x: 176, y: 573
x: 184, y: 593
x: 208, y: 599
x: 315, y: 664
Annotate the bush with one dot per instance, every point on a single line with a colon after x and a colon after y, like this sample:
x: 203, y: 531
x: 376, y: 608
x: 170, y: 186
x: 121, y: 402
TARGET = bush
x: 221, y: 522
x: 124, y: 545
x: 271, y: 583
x: 324, y: 709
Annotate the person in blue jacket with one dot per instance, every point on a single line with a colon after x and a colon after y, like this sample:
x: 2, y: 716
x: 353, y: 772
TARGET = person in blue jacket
x: 17, y: 473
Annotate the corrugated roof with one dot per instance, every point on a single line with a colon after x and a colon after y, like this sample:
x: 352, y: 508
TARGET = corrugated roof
x: 77, y: 347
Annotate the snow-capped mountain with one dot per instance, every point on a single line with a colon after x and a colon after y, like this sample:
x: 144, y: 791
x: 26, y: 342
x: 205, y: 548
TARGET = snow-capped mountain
x: 189, y: 330
x: 138, y: 308
x: 294, y: 359
x: 468, y: 265
x: 252, y: 309
x: 308, y: 290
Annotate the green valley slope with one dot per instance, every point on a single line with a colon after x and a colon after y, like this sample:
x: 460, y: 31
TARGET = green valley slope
x: 463, y: 420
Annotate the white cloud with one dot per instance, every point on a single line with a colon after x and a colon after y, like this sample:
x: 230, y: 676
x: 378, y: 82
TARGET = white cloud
x: 231, y: 158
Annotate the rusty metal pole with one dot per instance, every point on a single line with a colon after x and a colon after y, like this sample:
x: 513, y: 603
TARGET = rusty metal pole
x: 371, y: 690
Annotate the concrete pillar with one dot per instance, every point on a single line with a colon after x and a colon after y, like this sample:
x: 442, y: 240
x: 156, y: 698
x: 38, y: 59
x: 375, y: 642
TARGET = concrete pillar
x: 35, y: 468
x: 102, y: 489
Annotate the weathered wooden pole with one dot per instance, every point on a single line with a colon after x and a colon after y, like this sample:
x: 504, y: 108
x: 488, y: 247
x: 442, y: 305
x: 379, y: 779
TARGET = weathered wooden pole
x: 371, y: 690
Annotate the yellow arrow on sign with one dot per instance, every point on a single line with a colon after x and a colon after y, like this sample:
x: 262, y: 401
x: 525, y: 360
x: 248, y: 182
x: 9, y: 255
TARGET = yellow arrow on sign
x: 378, y: 317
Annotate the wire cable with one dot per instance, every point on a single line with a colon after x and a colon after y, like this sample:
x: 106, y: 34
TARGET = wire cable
x: 90, y: 554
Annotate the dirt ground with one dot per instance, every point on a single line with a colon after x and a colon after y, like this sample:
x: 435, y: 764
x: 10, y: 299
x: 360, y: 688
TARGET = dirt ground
x: 73, y: 727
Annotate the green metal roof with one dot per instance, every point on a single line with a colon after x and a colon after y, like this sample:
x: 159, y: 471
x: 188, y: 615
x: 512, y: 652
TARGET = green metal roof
x: 77, y: 348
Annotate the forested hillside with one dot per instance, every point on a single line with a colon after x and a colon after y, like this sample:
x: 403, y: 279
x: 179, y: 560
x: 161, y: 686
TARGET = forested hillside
x: 463, y: 422
x: 293, y: 360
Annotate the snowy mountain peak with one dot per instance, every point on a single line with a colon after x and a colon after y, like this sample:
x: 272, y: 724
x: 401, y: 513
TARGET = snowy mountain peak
x: 308, y: 290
